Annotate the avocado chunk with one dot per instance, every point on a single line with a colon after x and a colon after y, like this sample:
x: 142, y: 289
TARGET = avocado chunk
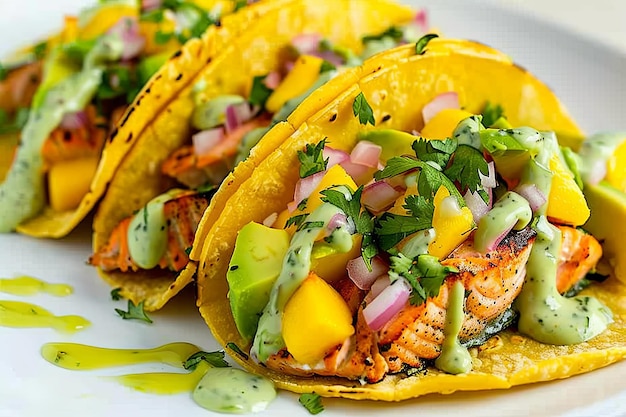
x: 608, y: 223
x: 254, y: 266
x: 213, y: 113
x: 393, y: 142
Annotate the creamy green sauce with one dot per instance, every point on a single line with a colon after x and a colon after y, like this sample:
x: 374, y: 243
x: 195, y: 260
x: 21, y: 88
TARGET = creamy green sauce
x: 454, y: 358
x: 467, y: 132
x: 231, y: 390
x: 418, y: 243
x: 147, y: 232
x: 510, y: 211
x: 22, y: 195
x: 296, y: 266
x: 596, y: 151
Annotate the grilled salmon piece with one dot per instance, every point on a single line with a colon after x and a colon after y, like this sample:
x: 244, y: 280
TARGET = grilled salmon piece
x: 193, y: 170
x: 492, y: 282
x: 19, y: 87
x: 182, y: 213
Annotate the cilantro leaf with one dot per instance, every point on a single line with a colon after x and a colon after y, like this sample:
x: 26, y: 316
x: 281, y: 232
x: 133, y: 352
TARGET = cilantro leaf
x: 466, y: 165
x: 215, y: 359
x: 161, y: 38
x: 154, y: 16
x: 362, y: 110
x: 296, y: 220
x: 312, y: 159
x: 392, y: 228
x: 237, y: 350
x: 438, y: 151
x: 40, y: 49
x: 312, y: 402
x: 393, y: 33
x: 259, y: 92
x: 188, y: 250
x: 397, y: 165
x: 491, y: 113
x: 327, y: 66
x: 420, y: 45
x: 425, y: 274
x: 363, y: 220
x: 310, y: 225
x: 135, y: 312
x: 419, y: 206
x: 115, y: 294
x: 4, y: 72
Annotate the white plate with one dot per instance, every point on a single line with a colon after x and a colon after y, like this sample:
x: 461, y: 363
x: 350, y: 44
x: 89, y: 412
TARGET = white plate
x: 587, y: 76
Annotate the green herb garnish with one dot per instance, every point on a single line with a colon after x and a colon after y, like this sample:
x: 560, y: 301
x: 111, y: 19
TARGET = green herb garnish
x: 232, y: 346
x: 295, y: 220
x: 115, y: 294
x: 259, y: 92
x: 425, y: 274
x: 420, y: 45
x: 40, y: 49
x: 155, y: 16
x: 3, y: 72
x: 438, y: 151
x: 161, y: 38
x: 135, y: 312
x: 362, y: 110
x: 467, y: 164
x: 312, y: 402
x: 312, y: 159
x: 215, y: 359
x: 393, y: 33
x: 327, y: 66
x: 491, y: 113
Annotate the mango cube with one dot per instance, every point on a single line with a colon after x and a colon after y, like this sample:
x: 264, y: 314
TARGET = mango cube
x: 69, y: 181
x: 566, y: 202
x: 452, y: 224
x: 442, y: 125
x: 302, y: 76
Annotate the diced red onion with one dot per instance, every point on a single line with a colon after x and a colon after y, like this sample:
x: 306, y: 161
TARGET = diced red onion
x: 127, y: 28
x: 476, y: 204
x: 494, y: 243
x: 331, y: 57
x: 377, y: 287
x: 307, y: 44
x: 361, y: 276
x: 270, y: 220
x: 421, y: 20
x: 535, y: 197
x: 361, y: 174
x: 272, y: 80
x: 305, y: 186
x: 148, y: 5
x: 379, y: 195
x: 339, y: 220
x: 74, y: 120
x: 334, y: 156
x: 236, y: 115
x: 489, y: 181
x: 205, y: 140
x: 387, y: 304
x: 448, y: 100
x: 366, y: 153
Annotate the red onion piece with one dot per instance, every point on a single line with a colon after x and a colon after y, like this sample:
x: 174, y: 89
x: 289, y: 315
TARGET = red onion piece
x: 535, y: 197
x: 489, y: 181
x: 340, y: 220
x: 305, y: 186
x: 377, y: 287
x: 388, y: 303
x: 361, y: 276
x: 494, y: 243
x: 236, y: 115
x: 361, y: 174
x: 205, y: 140
x: 307, y: 44
x: 148, y: 5
x: 366, y: 153
x: 379, y: 195
x: 74, y: 120
x: 334, y: 156
x: 127, y: 28
x: 448, y: 100
x: 421, y: 20
x: 272, y: 80
x: 270, y: 220
x: 476, y: 204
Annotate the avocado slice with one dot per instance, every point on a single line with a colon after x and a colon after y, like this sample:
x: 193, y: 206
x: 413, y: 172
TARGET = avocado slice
x: 254, y: 266
x: 608, y: 223
x: 393, y: 142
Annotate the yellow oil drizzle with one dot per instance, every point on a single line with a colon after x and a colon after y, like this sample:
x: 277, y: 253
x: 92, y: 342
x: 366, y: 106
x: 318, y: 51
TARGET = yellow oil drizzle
x: 21, y: 314
x: 26, y: 285
x: 75, y: 356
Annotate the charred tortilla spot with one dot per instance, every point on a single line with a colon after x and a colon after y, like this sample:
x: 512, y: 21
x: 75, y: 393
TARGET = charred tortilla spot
x: 177, y: 54
x: 128, y: 113
x: 130, y: 137
x: 333, y: 117
x: 158, y: 77
x: 113, y: 134
x: 385, y: 118
x: 179, y: 77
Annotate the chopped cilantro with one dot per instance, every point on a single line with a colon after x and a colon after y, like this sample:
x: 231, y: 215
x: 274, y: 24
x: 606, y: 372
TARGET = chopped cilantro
x: 40, y: 49
x: 240, y: 4
x: 362, y: 110
x: 312, y: 402
x: 215, y: 359
x: 295, y: 220
x: 438, y: 151
x: 302, y: 204
x: 363, y: 221
x: 259, y: 92
x: 3, y: 72
x: 310, y: 225
x: 116, y: 81
x: 419, y: 206
x: 393, y: 33
x: 135, y: 312
x: 196, y: 20
x: 327, y: 66
x: 155, y: 16
x: 425, y: 274
x: 491, y: 113
x: 466, y: 165
x: 392, y: 228
x: 188, y: 250
x: 312, y: 159
x: 420, y: 45
x: 115, y: 294
x: 237, y: 350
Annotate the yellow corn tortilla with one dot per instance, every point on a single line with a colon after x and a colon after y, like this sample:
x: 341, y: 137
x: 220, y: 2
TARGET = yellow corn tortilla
x: 400, y: 89
x: 255, y: 51
x: 163, y: 88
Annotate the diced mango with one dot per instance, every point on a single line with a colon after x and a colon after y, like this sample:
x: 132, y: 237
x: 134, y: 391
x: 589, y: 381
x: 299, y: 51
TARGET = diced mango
x: 302, y: 76
x: 315, y: 320
x: 443, y: 123
x: 104, y: 18
x: 69, y: 181
x: 332, y: 266
x: 566, y: 202
x: 616, y: 168
x: 452, y: 224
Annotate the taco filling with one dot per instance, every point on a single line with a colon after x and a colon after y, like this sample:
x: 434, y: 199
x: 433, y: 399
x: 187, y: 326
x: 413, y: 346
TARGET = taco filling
x: 224, y: 129
x: 64, y: 97
x: 415, y: 247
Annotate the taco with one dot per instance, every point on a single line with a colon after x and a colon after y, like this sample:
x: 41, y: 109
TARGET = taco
x: 174, y: 159
x: 368, y: 256
x: 79, y: 83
